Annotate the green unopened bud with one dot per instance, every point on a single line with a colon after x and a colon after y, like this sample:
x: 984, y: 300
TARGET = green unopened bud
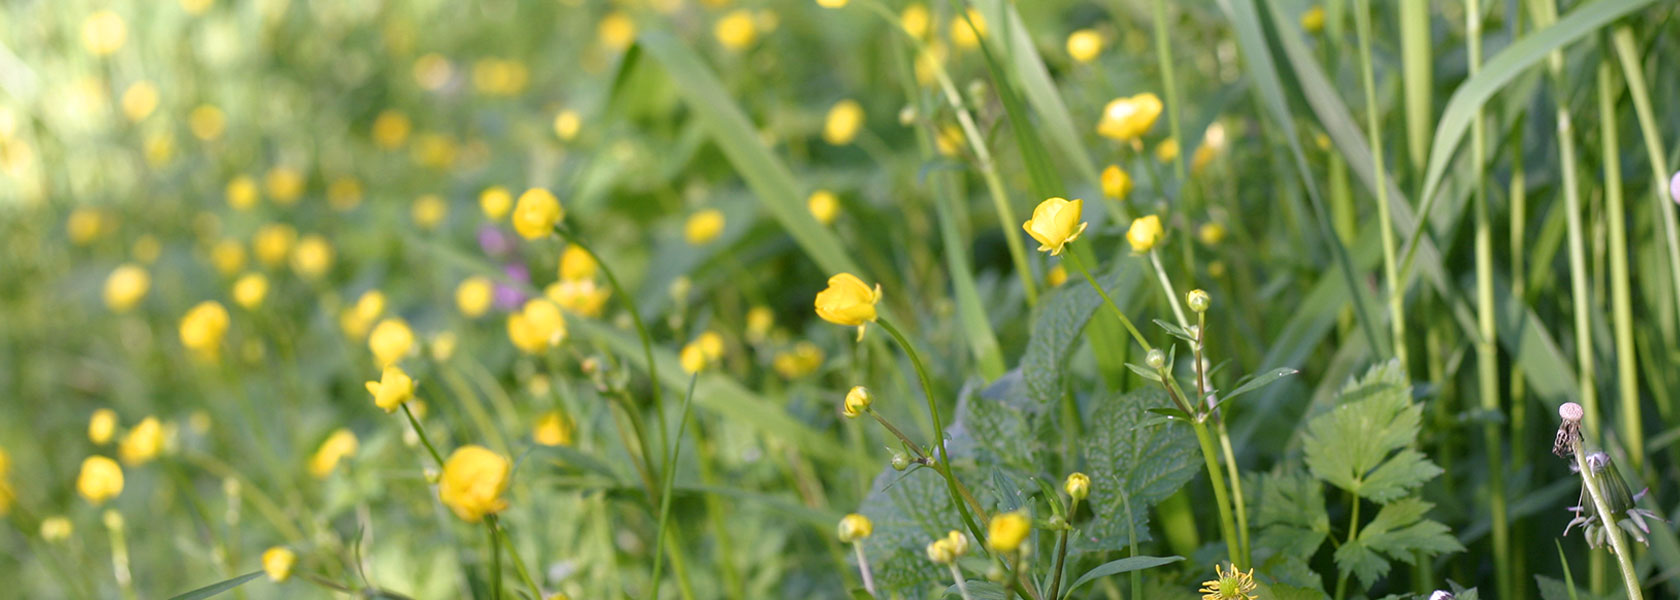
x: 1078, y: 486
x: 1155, y: 359
x: 1198, y: 300
x: 900, y: 461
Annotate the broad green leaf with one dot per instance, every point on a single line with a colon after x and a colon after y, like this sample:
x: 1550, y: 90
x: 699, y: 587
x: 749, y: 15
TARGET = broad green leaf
x: 1290, y: 515
x: 1130, y: 466
x: 1399, y: 532
x: 218, y: 587
x: 1061, y: 317
x: 1360, y: 444
x: 1124, y: 565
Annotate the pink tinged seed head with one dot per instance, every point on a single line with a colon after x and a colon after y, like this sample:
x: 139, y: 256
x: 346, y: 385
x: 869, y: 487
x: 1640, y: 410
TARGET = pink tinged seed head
x: 1571, y: 411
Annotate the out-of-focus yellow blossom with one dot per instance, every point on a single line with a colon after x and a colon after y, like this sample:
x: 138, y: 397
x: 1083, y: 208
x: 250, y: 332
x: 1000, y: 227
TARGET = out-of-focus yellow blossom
x: 242, y: 192
x: 1054, y: 223
x: 473, y: 481
x: 390, y: 129
x: 566, y: 124
x: 1144, y: 233
x: 199, y: 421
x: 1126, y: 119
x: 704, y: 226
x: 432, y: 71
x: 344, y: 193
x: 915, y: 20
x: 277, y: 562
x: 196, y: 7
x: 104, y: 32
x: 858, y: 400
x: 312, y: 257
x: 831, y: 3
x: 1213, y: 142
x: 948, y: 549
x: 824, y: 205
x: 159, y: 147
x: 393, y: 388
x: 1057, y: 276
x: 391, y: 341
x: 85, y: 224
x: 227, y: 256
x: 101, y: 479
x: 802, y: 360
x: 759, y: 321
x: 101, y: 426
x: 848, y: 301
x: 429, y: 211
x: 949, y: 140
x: 142, y: 443
x: 692, y: 359
x: 56, y: 528
x: 1006, y: 531
x: 341, y: 444
x: 854, y: 527
x: 553, y: 429
x: 537, y: 326
x: 139, y: 100
x: 582, y: 296
x: 357, y: 319
x: 1313, y: 20
x: 576, y: 263
x: 768, y: 20
x: 249, y: 290
x: 1084, y: 45
x: 125, y: 287
x: 147, y: 248
x: 736, y: 30
x: 284, y: 185
x: 844, y: 120
x: 206, y: 122
x: 711, y: 343
x: 537, y: 213
x: 473, y: 295
x: 1211, y: 233
x: 1216, y: 269
x: 964, y: 35
x: 203, y: 327
x: 616, y: 30
x: 1167, y: 150
x: 1116, y: 183
x: 443, y: 346
x: 705, y: 350
x: 434, y: 150
x: 273, y: 243
x: 495, y: 201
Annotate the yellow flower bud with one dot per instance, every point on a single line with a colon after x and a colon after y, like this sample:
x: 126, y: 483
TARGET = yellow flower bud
x: 101, y: 427
x: 1006, y: 531
x: 553, y: 429
x: 100, y: 480
x: 693, y: 359
x: 390, y: 129
x: 576, y: 263
x: 914, y: 18
x: 391, y: 341
x: 393, y: 388
x: 1057, y: 276
x: 848, y: 301
x: 1126, y: 119
x: 844, y: 120
x: 203, y: 327
x: 1313, y: 20
x: 857, y: 401
x: 474, y: 295
x: 1116, y: 183
x: 854, y: 527
x: 473, y: 481
x: 1078, y: 486
x: 966, y: 32
x: 1054, y: 223
x: 1167, y: 151
x: 581, y: 296
x: 824, y: 205
x: 495, y: 201
x: 429, y: 211
x: 1145, y: 233
x: 85, y: 224
x: 759, y: 321
x: 56, y: 528
x: 1198, y: 300
x: 339, y: 445
x: 704, y: 226
x: 537, y: 213
x: 1084, y: 45
x: 537, y: 326
x: 142, y: 443
x: 284, y: 185
x: 947, y: 549
x: 566, y: 125
x: 125, y: 287
x: 277, y: 562
x: 616, y: 30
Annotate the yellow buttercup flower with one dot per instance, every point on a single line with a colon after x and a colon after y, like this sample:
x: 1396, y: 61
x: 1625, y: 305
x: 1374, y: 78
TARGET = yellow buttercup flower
x: 390, y: 129
x: 537, y: 326
x: 1211, y: 233
x: 711, y: 343
x: 101, y: 479
x: 576, y: 263
x: 848, y: 301
x: 1126, y: 119
x: 704, y: 226
x: 553, y: 429
x: 1167, y: 151
x: 284, y: 185
x: 207, y: 122
x: 831, y: 3
x: 857, y: 401
x: 142, y: 443
x: 1006, y: 531
x: 277, y: 562
x: 736, y: 30
x: 139, y: 100
x: 242, y: 192
x: 393, y: 388
x: 391, y: 341
x: 1116, y: 183
x: 1229, y: 585
x: 966, y: 32
x: 341, y: 444
x: 312, y: 257
x: 759, y: 321
x: 802, y: 360
x: 1145, y: 233
x: 1078, y: 486
x: 854, y: 527
x: 692, y: 358
x: 581, y: 296
x: 495, y: 201
x: 566, y: 124
x: 1057, y: 276
x: 104, y: 32
x: 824, y: 205
x: 273, y: 243
x: 1313, y: 20
x: 429, y: 211
x: 249, y: 290
x: 203, y: 327
x: 358, y: 318
x: 227, y: 256
x: 844, y: 120
x: 473, y: 481
x: 914, y: 18
x: 1084, y: 45
x: 616, y: 30
x: 948, y: 549
x: 125, y: 287
x: 1054, y: 223
x: 474, y: 295
x: 101, y: 427
x: 537, y: 213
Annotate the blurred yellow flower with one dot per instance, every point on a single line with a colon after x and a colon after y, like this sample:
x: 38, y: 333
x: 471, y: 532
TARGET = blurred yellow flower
x: 357, y: 319
x: 429, y: 211
x: 390, y: 129
x: 966, y: 32
x: 196, y: 7
x: 1211, y: 233
x: 56, y: 528
x: 227, y: 256
x: 434, y: 150
x: 1144, y: 233
x: 473, y: 481
x: 344, y: 193
x: 1054, y: 223
x: 125, y: 287
x: 1126, y: 119
x: 844, y: 120
x: 1078, y: 486
x: 142, y: 443
x: 85, y: 224
x: 242, y: 192
x: 704, y: 226
x: 284, y: 185
x: 824, y: 205
x: 858, y: 400
x: 949, y: 140
x: 736, y: 30
x: 432, y: 71
x: 692, y: 359
x: 202, y: 328
x: 537, y: 213
x: 553, y: 429
x: 1116, y: 183
x: 616, y: 30
x: 947, y: 549
x: 443, y: 346
x: 101, y: 426
x: 581, y: 296
x: 537, y: 326
x: 914, y: 18
x: 147, y: 248
x: 711, y: 343
x: 802, y: 360
x: 499, y: 77
x: 1084, y: 45
x: 1006, y: 531
x: 1313, y: 20
x: 759, y: 321
x: 1167, y: 150
x: 566, y: 124
x: 391, y: 341
x: 341, y: 444
x: 495, y: 201
x: 854, y: 527
x: 101, y: 479
x: 848, y: 301
x: 139, y: 100
x: 104, y: 32
x: 473, y: 296
x: 576, y: 263
x: 249, y: 290
x: 159, y: 147
x: 393, y: 388
x: 1057, y: 276
x: 1213, y: 142
x: 277, y: 562
x: 312, y: 257
x: 206, y: 122
x: 831, y: 3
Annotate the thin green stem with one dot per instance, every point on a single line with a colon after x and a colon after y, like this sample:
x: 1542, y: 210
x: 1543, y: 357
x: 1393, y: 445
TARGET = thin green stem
x: 938, y: 429
x: 513, y: 554
x: 1580, y: 297
x: 421, y: 433
x: 1227, y: 526
x: 914, y: 447
x: 495, y: 561
x: 1079, y: 264
x: 670, y: 479
x: 1061, y: 552
x: 1385, y: 225
x: 863, y: 569
x: 1169, y: 84
x: 962, y: 586
x: 1167, y: 287
x: 1618, y: 546
x: 1353, y: 534
x: 1236, y: 492
x: 1621, y: 297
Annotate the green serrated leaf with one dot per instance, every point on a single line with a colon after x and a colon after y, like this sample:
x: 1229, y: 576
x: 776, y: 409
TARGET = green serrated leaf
x: 1061, y: 317
x: 1130, y: 465
x: 1398, y: 532
x: 1290, y: 514
x: 1360, y: 445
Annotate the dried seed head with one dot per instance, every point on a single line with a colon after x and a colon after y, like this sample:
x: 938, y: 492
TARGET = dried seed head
x: 1571, y: 411
x: 1569, y: 432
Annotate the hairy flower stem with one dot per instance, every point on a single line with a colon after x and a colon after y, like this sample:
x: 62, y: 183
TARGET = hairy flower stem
x: 1073, y: 257
x: 1624, y: 557
x: 1061, y: 551
x: 938, y: 430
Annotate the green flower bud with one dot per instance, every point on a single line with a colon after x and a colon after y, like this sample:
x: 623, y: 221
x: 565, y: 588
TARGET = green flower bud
x: 1198, y: 300
x: 900, y: 461
x: 1156, y: 358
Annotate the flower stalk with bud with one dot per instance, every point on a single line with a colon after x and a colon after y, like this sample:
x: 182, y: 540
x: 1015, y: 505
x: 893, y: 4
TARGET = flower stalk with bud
x: 1570, y: 443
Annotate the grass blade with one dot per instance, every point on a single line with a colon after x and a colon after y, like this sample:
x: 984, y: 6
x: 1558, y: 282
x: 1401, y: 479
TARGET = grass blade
x: 218, y: 587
